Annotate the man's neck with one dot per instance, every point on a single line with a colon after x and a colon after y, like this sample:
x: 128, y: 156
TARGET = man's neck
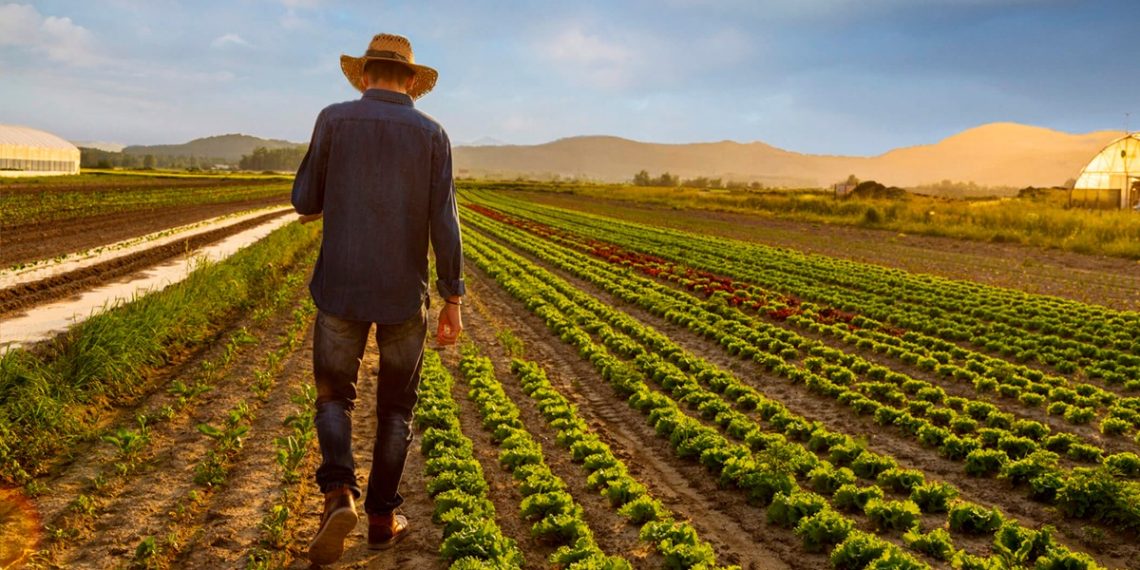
x: 389, y: 87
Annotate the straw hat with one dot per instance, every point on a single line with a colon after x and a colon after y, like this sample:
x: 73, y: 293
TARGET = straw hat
x: 389, y: 47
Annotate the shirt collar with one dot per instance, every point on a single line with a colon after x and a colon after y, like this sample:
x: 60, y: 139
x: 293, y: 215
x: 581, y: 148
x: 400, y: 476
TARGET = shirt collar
x: 388, y: 96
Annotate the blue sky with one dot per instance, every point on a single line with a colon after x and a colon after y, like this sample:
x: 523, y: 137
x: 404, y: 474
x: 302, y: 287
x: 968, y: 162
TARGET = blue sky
x: 823, y: 76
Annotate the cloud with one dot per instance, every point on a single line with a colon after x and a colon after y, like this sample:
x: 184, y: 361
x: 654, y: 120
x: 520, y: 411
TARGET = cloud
x: 227, y: 40
x: 597, y: 60
x: 59, y: 39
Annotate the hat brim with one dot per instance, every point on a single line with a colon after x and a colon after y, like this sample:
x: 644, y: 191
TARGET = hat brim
x: 353, y: 68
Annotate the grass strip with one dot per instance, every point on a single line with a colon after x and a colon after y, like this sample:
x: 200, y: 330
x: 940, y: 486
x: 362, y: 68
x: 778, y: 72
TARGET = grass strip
x: 50, y: 401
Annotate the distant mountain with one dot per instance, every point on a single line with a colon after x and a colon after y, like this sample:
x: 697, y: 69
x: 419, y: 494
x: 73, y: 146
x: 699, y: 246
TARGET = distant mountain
x: 225, y: 147
x: 998, y: 154
x: 483, y: 141
x: 101, y: 145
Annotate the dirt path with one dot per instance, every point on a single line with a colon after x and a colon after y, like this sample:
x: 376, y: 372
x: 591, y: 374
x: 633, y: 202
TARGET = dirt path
x: 420, y: 550
x: 736, y: 529
x: 229, y: 525
x: 1109, y: 281
x: 1108, y: 545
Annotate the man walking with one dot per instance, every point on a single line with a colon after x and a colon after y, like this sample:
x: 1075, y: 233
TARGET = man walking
x: 379, y: 172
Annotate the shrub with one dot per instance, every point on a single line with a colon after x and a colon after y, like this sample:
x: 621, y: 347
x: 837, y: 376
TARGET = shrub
x: 892, y: 515
x: 969, y: 518
x: 823, y: 529
x: 934, y: 497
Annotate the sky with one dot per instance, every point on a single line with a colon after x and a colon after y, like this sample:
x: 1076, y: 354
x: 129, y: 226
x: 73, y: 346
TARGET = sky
x: 855, y: 77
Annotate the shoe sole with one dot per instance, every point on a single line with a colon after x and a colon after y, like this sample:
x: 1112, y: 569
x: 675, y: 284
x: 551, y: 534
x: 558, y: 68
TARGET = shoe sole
x: 328, y: 546
x: 390, y: 542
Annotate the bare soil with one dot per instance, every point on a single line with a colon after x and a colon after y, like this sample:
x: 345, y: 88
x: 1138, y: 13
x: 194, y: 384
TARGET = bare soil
x: 420, y: 550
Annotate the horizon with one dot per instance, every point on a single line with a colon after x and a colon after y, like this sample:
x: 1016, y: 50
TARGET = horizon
x: 835, y: 78
x: 489, y: 141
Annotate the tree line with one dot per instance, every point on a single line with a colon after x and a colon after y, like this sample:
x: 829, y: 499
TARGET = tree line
x: 97, y: 158
x: 285, y: 159
x: 668, y: 180
x: 262, y: 158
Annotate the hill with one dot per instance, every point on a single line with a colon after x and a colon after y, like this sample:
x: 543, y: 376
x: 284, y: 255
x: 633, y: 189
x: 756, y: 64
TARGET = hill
x: 229, y: 148
x: 104, y: 146
x: 998, y: 154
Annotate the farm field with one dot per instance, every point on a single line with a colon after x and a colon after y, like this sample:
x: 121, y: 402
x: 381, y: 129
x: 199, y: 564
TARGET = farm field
x: 44, y: 218
x: 628, y: 395
x: 1098, y: 279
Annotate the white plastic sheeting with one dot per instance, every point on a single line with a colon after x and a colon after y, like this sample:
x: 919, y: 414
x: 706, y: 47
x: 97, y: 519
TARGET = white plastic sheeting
x: 1114, y: 169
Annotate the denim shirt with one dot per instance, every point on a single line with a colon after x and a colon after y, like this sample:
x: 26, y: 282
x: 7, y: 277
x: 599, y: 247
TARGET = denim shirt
x: 380, y: 172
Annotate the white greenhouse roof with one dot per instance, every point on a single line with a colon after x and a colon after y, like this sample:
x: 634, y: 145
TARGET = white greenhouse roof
x: 27, y: 136
x: 1114, y: 166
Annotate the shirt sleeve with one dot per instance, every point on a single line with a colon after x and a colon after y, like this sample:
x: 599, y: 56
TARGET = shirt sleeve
x: 309, y: 184
x: 444, y: 223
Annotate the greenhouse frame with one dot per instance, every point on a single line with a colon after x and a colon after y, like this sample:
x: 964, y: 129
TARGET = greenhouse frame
x: 1111, y: 180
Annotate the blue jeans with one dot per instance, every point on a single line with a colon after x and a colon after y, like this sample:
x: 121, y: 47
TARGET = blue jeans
x: 338, y: 345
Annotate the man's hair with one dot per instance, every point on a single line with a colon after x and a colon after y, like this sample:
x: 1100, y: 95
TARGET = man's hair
x: 388, y: 71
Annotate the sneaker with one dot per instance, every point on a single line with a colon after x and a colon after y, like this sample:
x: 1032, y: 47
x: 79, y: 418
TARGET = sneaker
x: 384, y: 531
x: 338, y: 519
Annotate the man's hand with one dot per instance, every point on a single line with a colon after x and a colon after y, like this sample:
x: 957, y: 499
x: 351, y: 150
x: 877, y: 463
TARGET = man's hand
x: 309, y: 218
x: 450, y: 321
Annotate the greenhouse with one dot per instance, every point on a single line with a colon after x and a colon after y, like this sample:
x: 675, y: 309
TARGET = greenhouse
x: 29, y: 152
x: 1112, y: 177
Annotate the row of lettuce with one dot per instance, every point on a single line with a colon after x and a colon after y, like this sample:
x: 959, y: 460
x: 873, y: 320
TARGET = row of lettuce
x: 1065, y: 335
x: 769, y: 467
x: 988, y: 440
